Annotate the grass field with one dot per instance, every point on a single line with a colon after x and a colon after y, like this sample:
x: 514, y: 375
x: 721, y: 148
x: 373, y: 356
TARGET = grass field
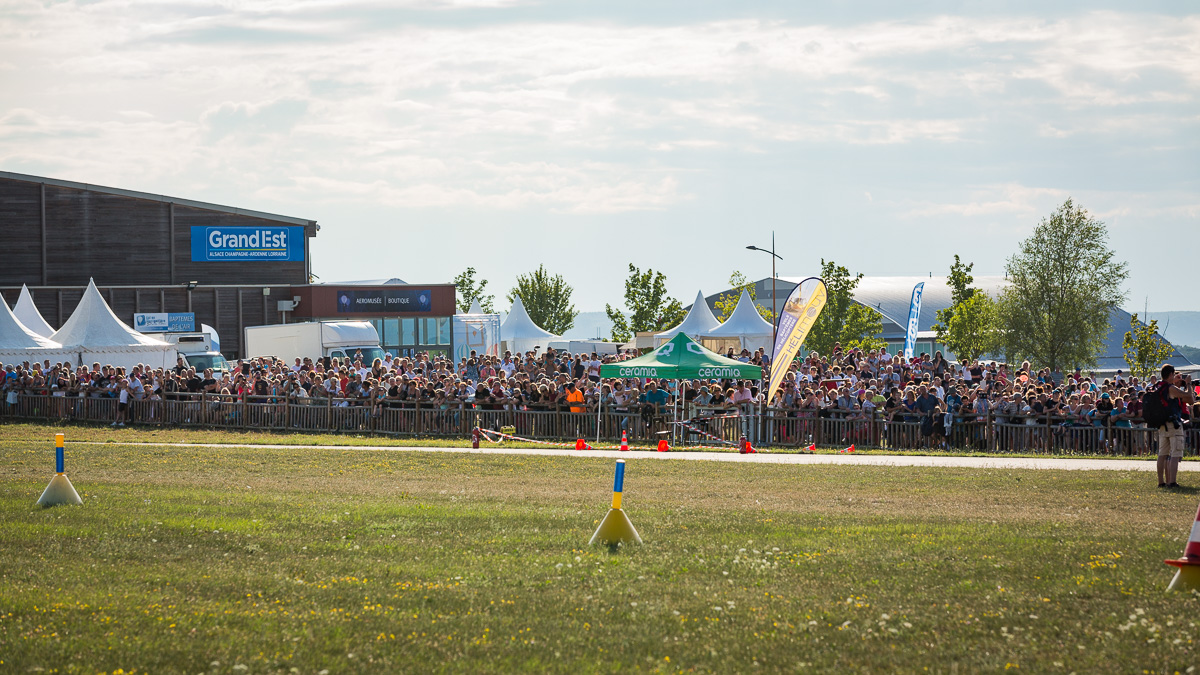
x: 248, y: 559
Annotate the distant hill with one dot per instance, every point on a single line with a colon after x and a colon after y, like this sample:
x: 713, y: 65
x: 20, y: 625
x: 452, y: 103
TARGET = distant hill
x: 1190, y: 353
x: 589, y: 325
x: 1179, y: 328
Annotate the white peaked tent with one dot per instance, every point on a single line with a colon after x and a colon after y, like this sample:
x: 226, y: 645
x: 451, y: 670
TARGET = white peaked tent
x: 96, y: 334
x: 744, y: 329
x: 18, y: 343
x: 475, y: 308
x: 28, y: 314
x: 695, y: 325
x: 520, y: 334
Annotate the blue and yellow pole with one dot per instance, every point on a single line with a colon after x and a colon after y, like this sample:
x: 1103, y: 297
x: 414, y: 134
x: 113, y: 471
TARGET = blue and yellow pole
x: 60, y: 490
x: 618, y: 484
x: 616, y: 527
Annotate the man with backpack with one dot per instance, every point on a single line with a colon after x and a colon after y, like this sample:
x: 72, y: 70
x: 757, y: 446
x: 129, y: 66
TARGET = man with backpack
x: 1162, y: 408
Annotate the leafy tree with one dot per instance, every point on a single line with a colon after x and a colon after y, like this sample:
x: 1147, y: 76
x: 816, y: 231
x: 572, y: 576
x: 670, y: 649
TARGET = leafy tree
x: 968, y: 325
x: 727, y: 302
x: 547, y: 299
x: 843, y: 320
x: 1145, y: 352
x: 1064, y: 281
x: 468, y: 291
x: 649, y: 306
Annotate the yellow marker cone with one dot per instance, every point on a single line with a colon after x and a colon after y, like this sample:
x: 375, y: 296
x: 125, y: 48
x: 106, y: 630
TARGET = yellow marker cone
x: 60, y: 490
x: 616, y: 527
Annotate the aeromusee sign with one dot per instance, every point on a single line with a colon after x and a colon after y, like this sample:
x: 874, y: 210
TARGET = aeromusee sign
x: 221, y: 244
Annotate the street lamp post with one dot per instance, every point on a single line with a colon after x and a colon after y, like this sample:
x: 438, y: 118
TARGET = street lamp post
x: 774, y: 313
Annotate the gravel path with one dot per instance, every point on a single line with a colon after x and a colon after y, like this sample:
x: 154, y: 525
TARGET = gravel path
x: 1080, y: 464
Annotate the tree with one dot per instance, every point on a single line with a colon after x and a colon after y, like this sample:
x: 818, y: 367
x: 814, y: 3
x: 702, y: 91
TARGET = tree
x: 468, y: 291
x: 547, y: 299
x: 968, y: 325
x: 1145, y: 352
x: 649, y: 306
x: 843, y: 320
x: 1063, y: 283
x: 727, y: 302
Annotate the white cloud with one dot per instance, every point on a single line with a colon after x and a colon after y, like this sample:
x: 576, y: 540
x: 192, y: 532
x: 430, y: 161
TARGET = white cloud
x: 461, y: 107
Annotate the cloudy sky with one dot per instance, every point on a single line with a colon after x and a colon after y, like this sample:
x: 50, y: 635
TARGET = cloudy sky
x: 427, y: 135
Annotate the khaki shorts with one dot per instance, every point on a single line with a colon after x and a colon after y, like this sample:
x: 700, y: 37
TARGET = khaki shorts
x: 1170, y: 441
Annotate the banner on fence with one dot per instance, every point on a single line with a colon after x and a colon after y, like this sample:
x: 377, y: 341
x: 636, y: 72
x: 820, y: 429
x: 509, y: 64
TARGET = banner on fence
x: 480, y: 332
x: 799, y: 314
x: 914, y: 316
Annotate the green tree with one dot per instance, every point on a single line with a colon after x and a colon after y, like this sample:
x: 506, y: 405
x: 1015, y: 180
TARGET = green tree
x: 968, y: 325
x: 468, y: 291
x: 1145, y: 352
x: 727, y: 302
x: 547, y: 299
x: 843, y: 320
x: 1063, y: 282
x: 649, y: 306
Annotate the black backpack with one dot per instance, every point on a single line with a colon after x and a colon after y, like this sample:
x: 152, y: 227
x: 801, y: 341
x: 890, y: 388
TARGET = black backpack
x: 1156, y: 406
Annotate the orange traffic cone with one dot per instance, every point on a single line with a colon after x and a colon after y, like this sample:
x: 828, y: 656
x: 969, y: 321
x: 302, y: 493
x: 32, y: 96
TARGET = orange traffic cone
x: 1188, y: 576
x: 581, y: 444
x: 849, y: 449
x: 624, y: 442
x: 812, y: 447
x: 662, y: 446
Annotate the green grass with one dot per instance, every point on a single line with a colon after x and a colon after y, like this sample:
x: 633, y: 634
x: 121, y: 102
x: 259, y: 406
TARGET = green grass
x: 251, y: 559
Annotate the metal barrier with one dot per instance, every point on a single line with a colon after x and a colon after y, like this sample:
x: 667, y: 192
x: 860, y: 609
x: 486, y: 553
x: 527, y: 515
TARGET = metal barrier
x: 706, y: 426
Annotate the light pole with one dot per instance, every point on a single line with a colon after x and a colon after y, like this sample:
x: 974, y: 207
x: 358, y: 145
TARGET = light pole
x: 774, y: 313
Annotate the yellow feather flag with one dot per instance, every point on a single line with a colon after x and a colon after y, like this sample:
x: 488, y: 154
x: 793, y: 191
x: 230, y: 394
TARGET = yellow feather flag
x: 796, y: 318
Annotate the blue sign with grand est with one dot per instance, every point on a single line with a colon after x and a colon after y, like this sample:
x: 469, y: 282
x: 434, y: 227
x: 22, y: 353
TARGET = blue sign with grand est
x: 225, y: 244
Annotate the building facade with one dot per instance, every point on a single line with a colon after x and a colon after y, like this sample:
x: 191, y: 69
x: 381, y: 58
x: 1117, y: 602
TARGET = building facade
x: 229, y: 267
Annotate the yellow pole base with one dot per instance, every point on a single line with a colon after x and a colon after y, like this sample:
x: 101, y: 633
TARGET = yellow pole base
x: 59, y: 491
x: 615, y: 528
x: 1186, y: 579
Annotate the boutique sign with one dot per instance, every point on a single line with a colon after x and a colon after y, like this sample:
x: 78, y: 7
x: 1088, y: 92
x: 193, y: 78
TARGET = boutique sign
x: 222, y: 244
x: 385, y: 301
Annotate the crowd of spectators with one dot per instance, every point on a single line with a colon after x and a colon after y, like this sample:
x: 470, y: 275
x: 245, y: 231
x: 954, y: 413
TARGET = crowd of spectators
x: 848, y: 384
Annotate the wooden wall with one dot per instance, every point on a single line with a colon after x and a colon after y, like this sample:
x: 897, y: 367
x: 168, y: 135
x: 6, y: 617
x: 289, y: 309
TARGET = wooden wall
x: 118, y: 240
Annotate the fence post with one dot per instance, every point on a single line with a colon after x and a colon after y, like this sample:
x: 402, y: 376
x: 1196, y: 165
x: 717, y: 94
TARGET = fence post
x: 420, y: 421
x: 990, y: 420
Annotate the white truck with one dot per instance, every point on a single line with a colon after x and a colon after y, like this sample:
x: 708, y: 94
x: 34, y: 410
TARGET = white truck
x: 197, y: 351
x: 341, y: 339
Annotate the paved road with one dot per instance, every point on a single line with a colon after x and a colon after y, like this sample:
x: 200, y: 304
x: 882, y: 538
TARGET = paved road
x: 760, y: 458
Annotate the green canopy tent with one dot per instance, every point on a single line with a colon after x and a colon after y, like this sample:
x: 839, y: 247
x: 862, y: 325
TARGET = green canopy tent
x: 682, y: 358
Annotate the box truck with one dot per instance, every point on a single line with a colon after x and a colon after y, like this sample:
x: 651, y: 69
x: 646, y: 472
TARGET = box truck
x: 314, y: 340
x: 197, y: 351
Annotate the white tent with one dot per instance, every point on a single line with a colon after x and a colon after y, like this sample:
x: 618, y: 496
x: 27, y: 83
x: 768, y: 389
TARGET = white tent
x: 476, y: 331
x: 28, y: 314
x: 744, y: 329
x: 520, y: 334
x: 19, y: 344
x: 96, y: 334
x: 695, y: 325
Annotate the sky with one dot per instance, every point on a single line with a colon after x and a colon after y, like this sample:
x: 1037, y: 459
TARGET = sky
x: 426, y: 136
